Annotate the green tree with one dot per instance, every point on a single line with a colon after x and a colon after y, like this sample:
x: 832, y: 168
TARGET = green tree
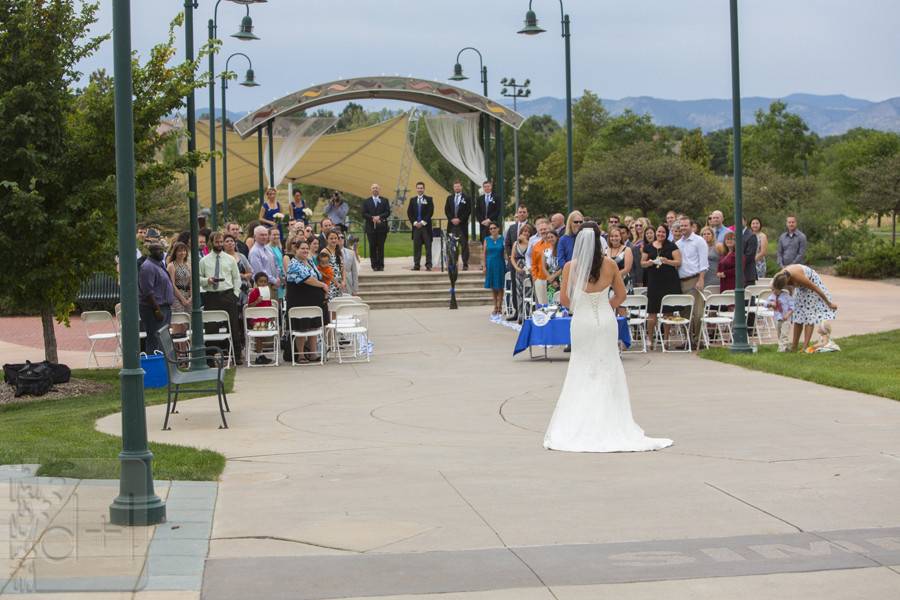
x: 640, y: 177
x: 879, y: 188
x: 621, y: 131
x: 780, y: 139
x: 719, y: 144
x: 57, y: 184
x: 695, y: 149
x: 534, y: 146
x: 846, y: 154
x: 588, y: 118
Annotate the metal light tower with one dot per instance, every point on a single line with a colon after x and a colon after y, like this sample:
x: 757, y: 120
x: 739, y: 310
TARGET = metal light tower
x: 519, y: 90
x: 245, y: 33
x: 137, y: 503
x: 249, y: 81
x: 739, y: 337
x: 531, y: 28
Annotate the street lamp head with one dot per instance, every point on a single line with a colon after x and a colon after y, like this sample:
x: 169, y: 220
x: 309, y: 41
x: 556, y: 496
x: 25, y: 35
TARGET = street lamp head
x: 249, y: 79
x: 527, y: 93
x: 245, y: 34
x: 503, y: 92
x: 531, y: 26
x: 527, y: 82
x: 457, y: 73
x: 503, y: 81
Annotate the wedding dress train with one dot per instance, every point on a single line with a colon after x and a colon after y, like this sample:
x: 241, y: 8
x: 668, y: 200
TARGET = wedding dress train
x: 593, y: 413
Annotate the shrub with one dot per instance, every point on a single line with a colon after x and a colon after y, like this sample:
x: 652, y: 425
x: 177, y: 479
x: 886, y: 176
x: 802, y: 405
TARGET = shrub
x: 878, y: 261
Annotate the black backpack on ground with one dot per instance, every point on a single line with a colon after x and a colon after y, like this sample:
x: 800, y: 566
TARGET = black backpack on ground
x: 35, y: 379
x: 58, y: 373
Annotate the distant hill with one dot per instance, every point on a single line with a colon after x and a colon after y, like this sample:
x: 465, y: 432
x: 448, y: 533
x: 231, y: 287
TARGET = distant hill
x: 825, y: 115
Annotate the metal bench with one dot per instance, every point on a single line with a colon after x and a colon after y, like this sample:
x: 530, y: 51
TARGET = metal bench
x: 179, y: 377
x: 100, y: 291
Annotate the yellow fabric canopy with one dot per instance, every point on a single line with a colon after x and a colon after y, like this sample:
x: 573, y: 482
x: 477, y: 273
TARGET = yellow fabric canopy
x: 350, y: 162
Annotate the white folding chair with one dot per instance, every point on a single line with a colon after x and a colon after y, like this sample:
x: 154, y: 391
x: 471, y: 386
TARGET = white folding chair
x: 181, y: 318
x: 352, y: 322
x: 508, y: 308
x: 716, y: 319
x: 141, y: 334
x: 766, y: 331
x: 527, y: 297
x: 639, y: 291
x: 765, y: 281
x: 636, y: 305
x: 222, y: 333
x: 269, y: 335
x: 710, y: 290
x: 100, y: 326
x: 683, y: 303
x: 306, y: 312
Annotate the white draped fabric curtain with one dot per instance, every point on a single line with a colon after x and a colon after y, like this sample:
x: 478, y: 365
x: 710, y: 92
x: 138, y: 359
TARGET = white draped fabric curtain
x: 456, y: 138
x: 296, y: 135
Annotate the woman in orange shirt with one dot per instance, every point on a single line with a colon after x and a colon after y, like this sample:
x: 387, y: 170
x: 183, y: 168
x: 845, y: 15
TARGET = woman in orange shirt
x: 539, y: 273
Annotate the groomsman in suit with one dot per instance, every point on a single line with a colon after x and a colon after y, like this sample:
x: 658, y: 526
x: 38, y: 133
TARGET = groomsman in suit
x: 458, y: 209
x: 375, y: 211
x: 487, y: 209
x: 751, y: 246
x: 419, y: 212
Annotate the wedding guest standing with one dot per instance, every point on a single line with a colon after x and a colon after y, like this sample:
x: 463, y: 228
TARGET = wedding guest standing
x: 156, y: 294
x: 351, y: 263
x: 375, y: 211
x: 727, y: 263
x: 298, y: 208
x: 179, y: 269
x: 220, y: 281
x: 791, y: 244
x: 487, y: 209
x: 622, y: 255
x: 419, y: 212
x: 660, y: 260
x: 494, y: 267
x: 750, y: 246
x: 762, y: 242
x: 513, y: 234
x: 567, y: 241
x: 458, y: 209
x: 711, y: 276
x: 336, y: 259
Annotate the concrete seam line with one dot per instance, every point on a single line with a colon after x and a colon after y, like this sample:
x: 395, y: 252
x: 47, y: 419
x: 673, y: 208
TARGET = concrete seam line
x: 475, y: 510
x: 741, y: 500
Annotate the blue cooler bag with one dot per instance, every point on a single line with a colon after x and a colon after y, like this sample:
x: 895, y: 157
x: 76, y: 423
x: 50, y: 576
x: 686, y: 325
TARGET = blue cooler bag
x: 155, y: 373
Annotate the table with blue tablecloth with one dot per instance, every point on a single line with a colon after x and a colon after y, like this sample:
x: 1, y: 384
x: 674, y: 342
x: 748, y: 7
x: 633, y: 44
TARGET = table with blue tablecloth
x: 557, y: 333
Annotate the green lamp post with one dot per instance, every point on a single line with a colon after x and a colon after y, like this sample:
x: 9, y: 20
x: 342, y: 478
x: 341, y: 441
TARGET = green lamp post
x: 519, y: 90
x: 249, y: 81
x: 531, y: 28
x: 137, y: 503
x: 739, y: 338
x: 245, y: 33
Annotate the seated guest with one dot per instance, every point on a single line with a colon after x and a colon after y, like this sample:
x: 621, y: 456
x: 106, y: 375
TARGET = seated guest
x: 305, y: 288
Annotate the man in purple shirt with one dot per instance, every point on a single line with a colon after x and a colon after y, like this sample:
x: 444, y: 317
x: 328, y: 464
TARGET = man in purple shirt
x: 262, y: 259
x: 156, y: 295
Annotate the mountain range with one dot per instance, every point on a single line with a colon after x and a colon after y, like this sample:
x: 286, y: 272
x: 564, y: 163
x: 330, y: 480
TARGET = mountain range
x: 825, y: 115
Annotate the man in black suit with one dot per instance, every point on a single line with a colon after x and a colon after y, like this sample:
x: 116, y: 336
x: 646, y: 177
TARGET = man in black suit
x: 375, y: 211
x: 458, y: 209
x: 751, y: 246
x: 487, y: 209
x: 419, y: 212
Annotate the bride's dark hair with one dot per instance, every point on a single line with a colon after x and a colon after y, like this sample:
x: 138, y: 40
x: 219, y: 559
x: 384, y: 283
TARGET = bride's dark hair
x: 597, y: 263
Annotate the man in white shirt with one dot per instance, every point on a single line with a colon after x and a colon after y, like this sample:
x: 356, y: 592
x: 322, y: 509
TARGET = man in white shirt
x: 694, y: 264
x: 220, y: 282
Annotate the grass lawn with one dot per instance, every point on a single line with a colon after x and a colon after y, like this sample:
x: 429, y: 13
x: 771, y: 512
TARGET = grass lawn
x: 397, y: 244
x: 59, y: 434
x: 867, y: 363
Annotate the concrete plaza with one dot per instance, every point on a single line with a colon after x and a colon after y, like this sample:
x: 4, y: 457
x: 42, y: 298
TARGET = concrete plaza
x: 421, y: 475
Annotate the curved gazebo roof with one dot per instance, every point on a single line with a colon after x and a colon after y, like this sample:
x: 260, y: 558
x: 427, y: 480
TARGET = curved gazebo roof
x: 421, y: 91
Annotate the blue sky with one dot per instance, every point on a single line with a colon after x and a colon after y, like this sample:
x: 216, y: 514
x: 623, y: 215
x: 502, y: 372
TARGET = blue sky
x: 665, y: 48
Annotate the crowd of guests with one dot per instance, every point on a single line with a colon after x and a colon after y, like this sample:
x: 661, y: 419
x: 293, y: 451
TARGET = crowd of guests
x: 681, y: 255
x: 279, y: 258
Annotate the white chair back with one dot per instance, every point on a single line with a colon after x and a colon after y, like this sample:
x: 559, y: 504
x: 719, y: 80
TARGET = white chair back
x: 217, y: 316
x: 718, y: 303
x: 181, y: 318
x: 639, y: 291
x: 710, y: 289
x: 95, y: 319
x: 765, y: 281
x: 261, y: 312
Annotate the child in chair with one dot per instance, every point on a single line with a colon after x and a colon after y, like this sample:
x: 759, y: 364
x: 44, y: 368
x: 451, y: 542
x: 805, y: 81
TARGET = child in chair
x: 260, y: 296
x: 782, y: 304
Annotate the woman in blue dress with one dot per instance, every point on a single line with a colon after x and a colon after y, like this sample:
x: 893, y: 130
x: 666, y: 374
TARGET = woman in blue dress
x: 494, y: 266
x: 268, y: 209
x: 298, y: 207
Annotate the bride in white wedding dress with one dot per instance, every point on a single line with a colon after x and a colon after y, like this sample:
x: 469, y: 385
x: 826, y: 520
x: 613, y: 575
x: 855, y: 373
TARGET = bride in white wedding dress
x: 593, y: 413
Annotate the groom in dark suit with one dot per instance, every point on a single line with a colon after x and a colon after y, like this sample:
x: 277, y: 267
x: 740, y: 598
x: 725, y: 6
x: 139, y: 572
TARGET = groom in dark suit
x: 419, y: 212
x: 375, y: 211
x: 458, y: 209
x: 487, y: 209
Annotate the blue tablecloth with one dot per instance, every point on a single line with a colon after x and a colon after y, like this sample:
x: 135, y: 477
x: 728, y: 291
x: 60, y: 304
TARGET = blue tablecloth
x: 556, y: 333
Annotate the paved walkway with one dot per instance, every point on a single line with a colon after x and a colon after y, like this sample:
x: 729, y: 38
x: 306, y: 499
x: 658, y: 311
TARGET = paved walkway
x: 422, y: 473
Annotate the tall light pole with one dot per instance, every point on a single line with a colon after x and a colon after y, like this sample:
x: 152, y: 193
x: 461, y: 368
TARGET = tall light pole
x: 519, y: 90
x: 531, y: 28
x: 739, y: 338
x: 245, y: 33
x: 485, y: 125
x: 137, y: 503
x: 249, y: 81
